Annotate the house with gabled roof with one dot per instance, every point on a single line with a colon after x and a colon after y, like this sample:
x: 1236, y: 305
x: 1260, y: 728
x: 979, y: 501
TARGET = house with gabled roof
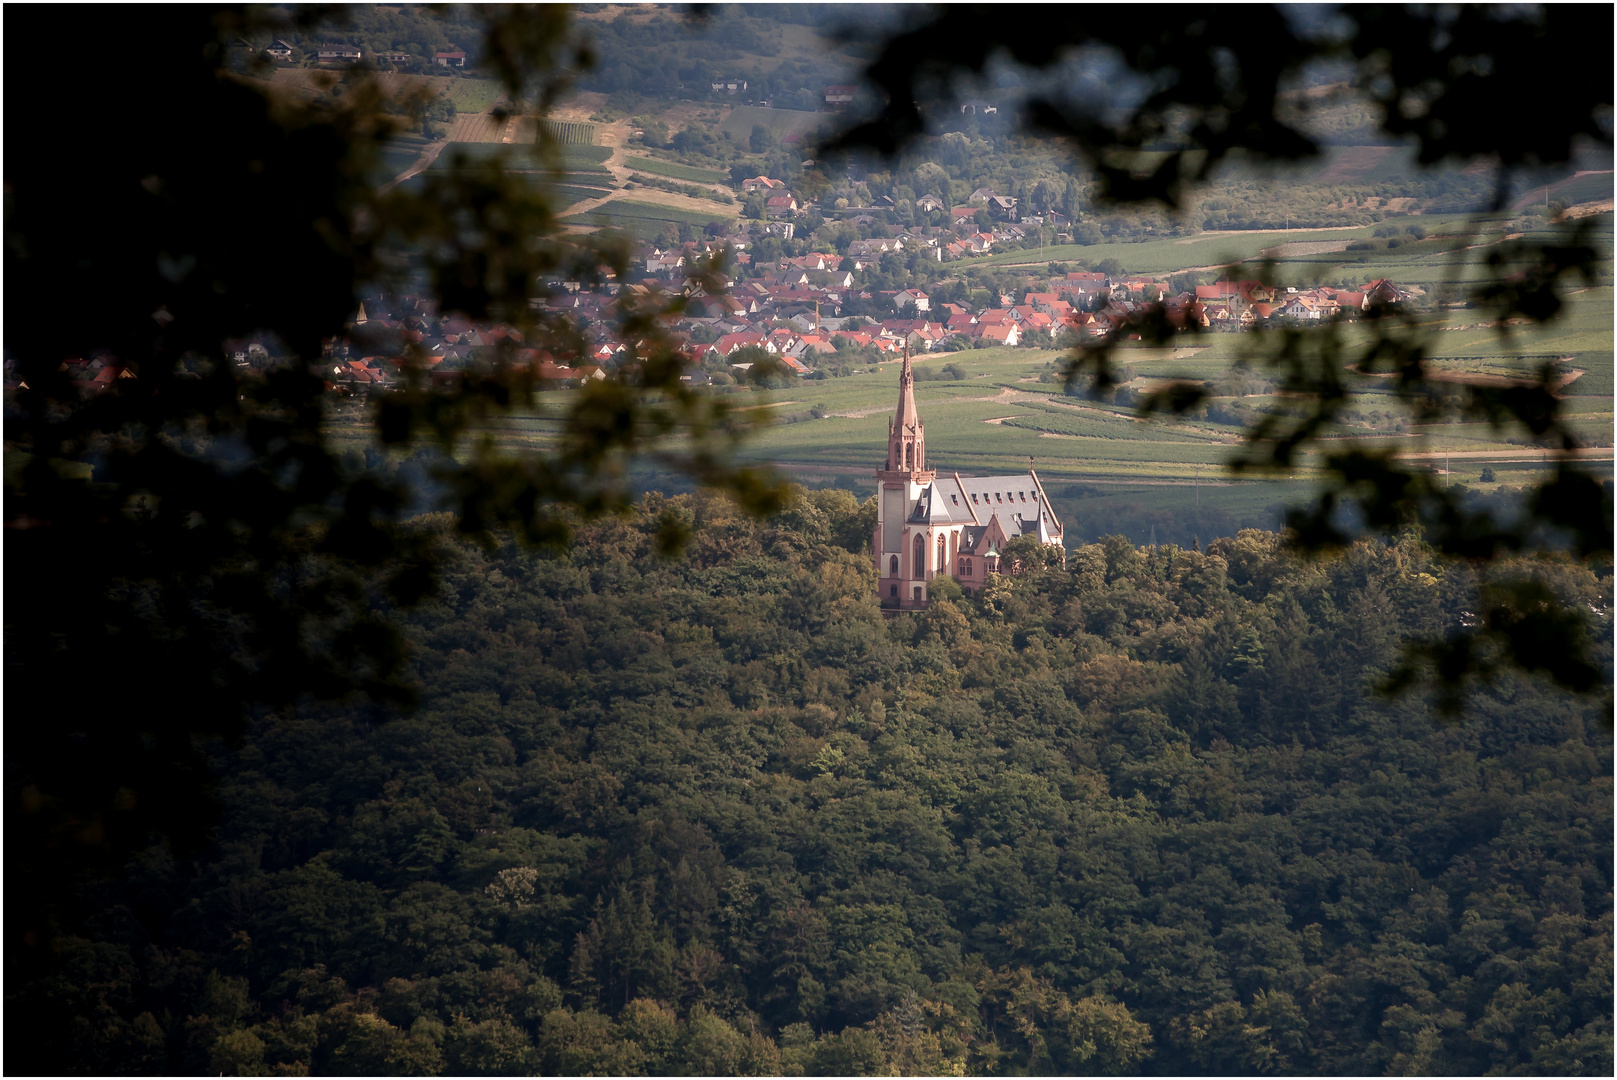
x: 1300, y: 307
x: 1383, y: 291
x: 1006, y: 333
x: 921, y: 300
x: 729, y: 343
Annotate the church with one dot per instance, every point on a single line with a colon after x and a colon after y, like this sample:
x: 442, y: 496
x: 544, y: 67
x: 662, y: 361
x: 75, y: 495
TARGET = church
x: 958, y: 525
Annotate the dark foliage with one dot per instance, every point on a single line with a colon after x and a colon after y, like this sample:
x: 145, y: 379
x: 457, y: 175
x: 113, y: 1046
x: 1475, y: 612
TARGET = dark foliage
x: 190, y: 534
x: 716, y: 816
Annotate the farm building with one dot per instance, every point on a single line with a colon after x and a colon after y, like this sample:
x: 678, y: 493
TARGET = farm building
x: 338, y: 54
x: 449, y: 59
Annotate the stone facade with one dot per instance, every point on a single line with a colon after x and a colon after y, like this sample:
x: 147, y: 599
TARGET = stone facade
x: 957, y: 525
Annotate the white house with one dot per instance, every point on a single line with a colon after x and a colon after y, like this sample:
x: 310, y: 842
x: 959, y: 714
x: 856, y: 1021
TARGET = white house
x: 921, y: 301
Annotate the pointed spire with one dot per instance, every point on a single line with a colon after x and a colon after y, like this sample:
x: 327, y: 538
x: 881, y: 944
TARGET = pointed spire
x: 906, y: 441
x: 909, y: 419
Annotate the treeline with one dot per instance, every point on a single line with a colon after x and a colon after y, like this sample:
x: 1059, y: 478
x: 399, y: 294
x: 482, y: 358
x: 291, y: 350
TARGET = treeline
x: 1142, y: 813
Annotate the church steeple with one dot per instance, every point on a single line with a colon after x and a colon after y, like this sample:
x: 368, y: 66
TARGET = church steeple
x: 906, y: 435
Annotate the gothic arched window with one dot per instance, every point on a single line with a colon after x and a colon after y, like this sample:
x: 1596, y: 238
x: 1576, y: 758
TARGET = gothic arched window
x: 943, y: 558
x: 892, y: 566
x: 919, y: 569
x: 909, y: 456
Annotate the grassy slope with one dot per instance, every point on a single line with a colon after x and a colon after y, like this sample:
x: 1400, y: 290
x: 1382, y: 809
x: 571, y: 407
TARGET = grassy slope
x: 675, y: 171
x: 784, y: 123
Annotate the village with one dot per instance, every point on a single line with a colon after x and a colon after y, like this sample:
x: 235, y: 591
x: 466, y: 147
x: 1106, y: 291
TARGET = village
x: 792, y: 311
x: 789, y: 311
x: 811, y: 315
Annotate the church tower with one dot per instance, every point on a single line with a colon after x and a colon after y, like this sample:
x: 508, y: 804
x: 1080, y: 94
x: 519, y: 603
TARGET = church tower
x: 904, y: 559
x: 906, y: 435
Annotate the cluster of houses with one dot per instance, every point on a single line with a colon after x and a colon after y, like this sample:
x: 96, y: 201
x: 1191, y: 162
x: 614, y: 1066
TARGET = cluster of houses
x: 1246, y: 304
x: 790, y: 310
x: 282, y: 52
x: 791, y: 313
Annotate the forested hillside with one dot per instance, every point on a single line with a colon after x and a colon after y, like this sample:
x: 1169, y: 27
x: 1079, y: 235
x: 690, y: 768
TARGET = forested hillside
x: 716, y: 815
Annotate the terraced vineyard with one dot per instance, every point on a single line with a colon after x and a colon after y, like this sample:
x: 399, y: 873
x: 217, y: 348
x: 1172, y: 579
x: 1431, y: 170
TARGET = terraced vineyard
x: 570, y: 132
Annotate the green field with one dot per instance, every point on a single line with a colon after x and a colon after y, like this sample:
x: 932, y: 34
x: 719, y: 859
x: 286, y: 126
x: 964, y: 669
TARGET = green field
x: 569, y: 194
x: 676, y: 171
x: 641, y: 219
x: 1172, y: 255
x: 788, y: 125
x: 572, y: 161
x: 474, y: 95
x: 584, y: 158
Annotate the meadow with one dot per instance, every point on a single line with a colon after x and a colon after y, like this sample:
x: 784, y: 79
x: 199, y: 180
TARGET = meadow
x: 787, y: 125
x: 471, y: 95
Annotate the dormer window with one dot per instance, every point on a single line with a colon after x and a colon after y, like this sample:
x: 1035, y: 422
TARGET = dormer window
x: 997, y: 498
x: 974, y: 497
x: 1023, y: 494
x: 955, y: 499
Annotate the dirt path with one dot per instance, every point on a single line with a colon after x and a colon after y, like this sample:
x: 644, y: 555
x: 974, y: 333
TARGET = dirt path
x: 1476, y: 379
x: 1250, y: 232
x: 1596, y: 452
x: 616, y: 136
x: 422, y: 163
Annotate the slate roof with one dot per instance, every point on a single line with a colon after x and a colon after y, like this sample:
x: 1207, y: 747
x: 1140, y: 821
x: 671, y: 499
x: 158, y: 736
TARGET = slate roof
x: 1017, y: 500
